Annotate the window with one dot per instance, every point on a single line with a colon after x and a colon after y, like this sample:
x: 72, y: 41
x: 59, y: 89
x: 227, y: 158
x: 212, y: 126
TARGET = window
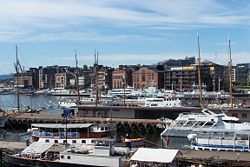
x: 244, y: 115
x: 62, y: 156
x: 68, y: 157
x: 73, y: 141
x: 92, y: 141
x: 143, y: 75
x: 83, y: 141
x: 56, y: 141
x: 47, y: 140
x: 235, y: 115
x: 152, y: 76
x: 102, y: 128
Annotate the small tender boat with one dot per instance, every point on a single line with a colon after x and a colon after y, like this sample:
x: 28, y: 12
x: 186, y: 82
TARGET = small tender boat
x: 133, y: 142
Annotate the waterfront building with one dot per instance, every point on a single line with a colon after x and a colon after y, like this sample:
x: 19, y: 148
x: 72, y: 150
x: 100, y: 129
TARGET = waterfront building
x: 243, y: 72
x: 183, y: 78
x: 147, y: 76
x: 103, y: 75
x: 60, y: 80
x: 23, y: 81
x: 121, y: 77
x: 85, y: 79
x: 40, y: 78
x: 49, y: 75
x: 35, y: 77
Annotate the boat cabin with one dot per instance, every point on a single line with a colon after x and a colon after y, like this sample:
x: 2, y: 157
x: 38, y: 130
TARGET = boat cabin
x: 73, y: 133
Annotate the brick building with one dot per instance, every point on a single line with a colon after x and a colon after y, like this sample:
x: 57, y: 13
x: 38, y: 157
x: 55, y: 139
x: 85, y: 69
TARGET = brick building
x: 146, y: 76
x: 121, y: 75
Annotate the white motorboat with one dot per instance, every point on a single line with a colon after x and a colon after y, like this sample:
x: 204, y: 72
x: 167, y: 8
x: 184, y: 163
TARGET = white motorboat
x: 206, y: 119
x: 162, y: 102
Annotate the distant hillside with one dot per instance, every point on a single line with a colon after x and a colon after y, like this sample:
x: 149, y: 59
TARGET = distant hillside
x: 6, y: 76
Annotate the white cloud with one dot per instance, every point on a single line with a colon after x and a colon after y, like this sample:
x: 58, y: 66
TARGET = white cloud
x: 115, y: 59
x: 29, y: 19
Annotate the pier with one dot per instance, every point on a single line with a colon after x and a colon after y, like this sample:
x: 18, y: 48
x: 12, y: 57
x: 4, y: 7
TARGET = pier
x: 127, y: 117
x: 26, y: 119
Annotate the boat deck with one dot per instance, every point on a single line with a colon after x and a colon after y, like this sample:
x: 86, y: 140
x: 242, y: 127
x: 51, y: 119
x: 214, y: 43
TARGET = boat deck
x: 229, y: 158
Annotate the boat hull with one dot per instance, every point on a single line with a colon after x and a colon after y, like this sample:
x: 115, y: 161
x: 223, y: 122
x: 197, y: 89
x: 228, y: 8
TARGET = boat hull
x: 219, y: 147
x: 13, y: 161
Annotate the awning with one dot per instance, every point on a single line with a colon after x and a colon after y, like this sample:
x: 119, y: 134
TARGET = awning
x: 37, y: 148
x: 59, y: 126
x: 154, y: 155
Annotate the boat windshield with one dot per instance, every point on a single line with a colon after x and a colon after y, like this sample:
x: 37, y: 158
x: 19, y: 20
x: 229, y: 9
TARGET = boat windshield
x: 233, y: 121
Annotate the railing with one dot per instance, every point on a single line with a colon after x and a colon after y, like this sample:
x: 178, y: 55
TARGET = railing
x: 60, y: 135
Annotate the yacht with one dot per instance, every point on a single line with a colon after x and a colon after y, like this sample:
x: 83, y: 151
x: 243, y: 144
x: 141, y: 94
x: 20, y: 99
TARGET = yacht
x: 206, y: 119
x: 205, y: 94
x: 220, y: 139
x: 162, y: 102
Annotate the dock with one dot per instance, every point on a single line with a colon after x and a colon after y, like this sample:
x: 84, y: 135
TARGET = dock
x: 214, y: 158
x: 12, y: 145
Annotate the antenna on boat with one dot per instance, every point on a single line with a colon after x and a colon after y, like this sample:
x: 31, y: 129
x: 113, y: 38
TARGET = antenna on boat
x: 77, y: 79
x: 230, y: 72
x: 199, y: 72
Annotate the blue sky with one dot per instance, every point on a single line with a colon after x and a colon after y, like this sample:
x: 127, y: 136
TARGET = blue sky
x: 124, y: 32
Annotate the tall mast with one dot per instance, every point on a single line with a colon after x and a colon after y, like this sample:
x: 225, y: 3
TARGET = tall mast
x: 17, y: 66
x: 77, y: 79
x: 230, y: 72
x: 96, y: 78
x: 124, y: 88
x: 199, y: 72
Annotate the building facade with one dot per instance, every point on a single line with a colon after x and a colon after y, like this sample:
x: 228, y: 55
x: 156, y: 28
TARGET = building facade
x: 145, y: 77
x: 243, y: 72
x: 121, y: 77
x: 60, y: 80
x: 184, y: 78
